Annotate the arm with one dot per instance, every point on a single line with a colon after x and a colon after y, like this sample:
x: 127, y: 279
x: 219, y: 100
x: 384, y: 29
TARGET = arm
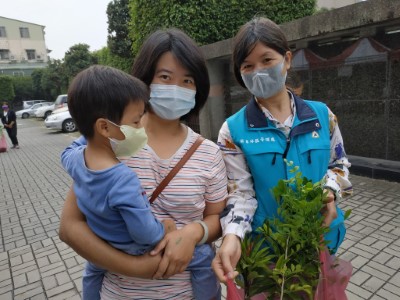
x: 67, y: 153
x: 337, y: 177
x: 179, y: 247
x: 12, y: 118
x: 128, y: 198
x: 241, y: 206
x: 75, y: 232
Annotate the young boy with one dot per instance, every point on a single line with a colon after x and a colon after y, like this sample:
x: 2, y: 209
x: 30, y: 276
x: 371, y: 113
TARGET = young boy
x: 107, y: 105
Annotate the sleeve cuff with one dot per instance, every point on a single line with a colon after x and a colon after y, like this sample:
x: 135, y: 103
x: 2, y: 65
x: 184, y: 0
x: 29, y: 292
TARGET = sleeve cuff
x: 236, y: 229
x: 334, y: 187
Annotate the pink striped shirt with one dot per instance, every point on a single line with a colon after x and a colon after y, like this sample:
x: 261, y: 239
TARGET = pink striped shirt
x: 202, y: 179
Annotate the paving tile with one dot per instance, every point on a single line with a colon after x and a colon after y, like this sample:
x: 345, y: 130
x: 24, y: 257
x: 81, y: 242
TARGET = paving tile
x: 35, y: 264
x: 373, y: 284
x: 359, y: 277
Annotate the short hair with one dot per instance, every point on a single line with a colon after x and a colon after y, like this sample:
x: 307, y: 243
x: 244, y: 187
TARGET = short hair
x: 185, y: 51
x: 102, y: 92
x: 259, y: 29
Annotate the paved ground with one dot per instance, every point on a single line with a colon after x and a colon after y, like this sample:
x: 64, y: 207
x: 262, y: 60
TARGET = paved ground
x: 35, y: 264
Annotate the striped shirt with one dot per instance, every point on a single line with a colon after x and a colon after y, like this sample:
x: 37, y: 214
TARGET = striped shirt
x: 202, y: 179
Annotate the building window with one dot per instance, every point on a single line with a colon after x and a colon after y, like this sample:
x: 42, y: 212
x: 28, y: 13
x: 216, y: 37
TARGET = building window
x: 24, y: 31
x: 3, y: 31
x: 4, y: 54
x: 31, y: 54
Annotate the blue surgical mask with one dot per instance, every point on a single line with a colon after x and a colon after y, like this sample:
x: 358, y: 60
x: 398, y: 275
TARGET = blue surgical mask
x: 135, y: 140
x: 267, y: 82
x: 170, y: 102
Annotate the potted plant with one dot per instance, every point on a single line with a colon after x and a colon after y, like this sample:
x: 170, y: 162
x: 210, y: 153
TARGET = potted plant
x: 281, y: 260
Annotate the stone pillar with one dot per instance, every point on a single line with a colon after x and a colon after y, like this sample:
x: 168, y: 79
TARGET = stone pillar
x: 212, y: 115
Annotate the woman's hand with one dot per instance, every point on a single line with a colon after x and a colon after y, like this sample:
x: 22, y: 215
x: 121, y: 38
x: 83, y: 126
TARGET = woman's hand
x: 329, y: 211
x: 178, y: 249
x: 227, y: 257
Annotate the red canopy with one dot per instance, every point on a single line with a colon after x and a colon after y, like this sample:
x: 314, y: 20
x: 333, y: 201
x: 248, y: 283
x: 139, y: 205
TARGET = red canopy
x: 395, y: 55
x: 365, y: 49
x: 306, y: 59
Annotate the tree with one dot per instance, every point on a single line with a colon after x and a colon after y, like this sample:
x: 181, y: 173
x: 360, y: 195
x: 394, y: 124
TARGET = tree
x: 118, y: 39
x: 6, y: 88
x: 76, y: 59
x: 54, y: 80
x: 23, y: 88
x: 208, y: 21
x: 105, y: 57
x: 37, y: 90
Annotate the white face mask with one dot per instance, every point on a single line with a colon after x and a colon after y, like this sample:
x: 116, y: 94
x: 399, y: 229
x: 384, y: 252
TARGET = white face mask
x: 266, y: 82
x: 135, y: 140
x: 170, y: 102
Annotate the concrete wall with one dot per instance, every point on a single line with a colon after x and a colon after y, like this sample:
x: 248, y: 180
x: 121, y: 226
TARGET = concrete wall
x: 335, y: 3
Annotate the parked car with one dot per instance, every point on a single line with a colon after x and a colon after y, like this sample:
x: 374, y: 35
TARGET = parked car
x: 61, y: 119
x: 60, y: 102
x: 28, y: 112
x: 29, y: 103
x: 44, y: 111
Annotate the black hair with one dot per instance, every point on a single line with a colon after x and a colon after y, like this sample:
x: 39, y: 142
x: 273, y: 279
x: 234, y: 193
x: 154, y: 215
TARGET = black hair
x: 185, y: 51
x: 261, y: 30
x: 102, y: 92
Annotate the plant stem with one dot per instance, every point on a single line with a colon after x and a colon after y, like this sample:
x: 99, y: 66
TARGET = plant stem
x: 283, y: 275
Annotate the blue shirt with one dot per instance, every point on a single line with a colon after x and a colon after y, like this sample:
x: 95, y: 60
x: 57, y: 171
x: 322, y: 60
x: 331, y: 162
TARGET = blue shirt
x: 114, y: 203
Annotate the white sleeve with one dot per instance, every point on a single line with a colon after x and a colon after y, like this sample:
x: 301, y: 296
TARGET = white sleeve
x: 241, y: 203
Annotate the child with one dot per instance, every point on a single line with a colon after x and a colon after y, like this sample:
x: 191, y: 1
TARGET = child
x: 107, y: 105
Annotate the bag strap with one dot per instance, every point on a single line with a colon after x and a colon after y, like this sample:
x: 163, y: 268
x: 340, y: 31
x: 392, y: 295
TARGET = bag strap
x: 176, y: 169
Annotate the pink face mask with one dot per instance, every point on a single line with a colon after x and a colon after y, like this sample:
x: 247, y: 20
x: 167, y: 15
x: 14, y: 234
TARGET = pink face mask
x: 4, y: 107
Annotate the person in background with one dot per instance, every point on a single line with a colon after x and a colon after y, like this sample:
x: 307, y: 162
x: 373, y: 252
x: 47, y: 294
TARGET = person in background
x: 9, y: 121
x: 276, y: 125
x: 172, y: 65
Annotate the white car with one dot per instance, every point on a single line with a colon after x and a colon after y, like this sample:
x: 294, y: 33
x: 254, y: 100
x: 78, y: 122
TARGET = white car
x: 29, y: 103
x: 44, y: 111
x: 28, y: 112
x: 61, y: 119
x: 61, y: 101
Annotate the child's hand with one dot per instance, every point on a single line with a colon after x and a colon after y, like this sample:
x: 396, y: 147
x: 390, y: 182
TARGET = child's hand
x: 169, y: 225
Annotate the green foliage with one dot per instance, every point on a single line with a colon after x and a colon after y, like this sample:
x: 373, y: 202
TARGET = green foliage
x: 76, y: 59
x: 54, y: 80
x: 118, y: 40
x: 7, y: 92
x: 282, y: 257
x: 208, y: 21
x: 37, y: 91
x: 23, y: 88
x: 105, y: 57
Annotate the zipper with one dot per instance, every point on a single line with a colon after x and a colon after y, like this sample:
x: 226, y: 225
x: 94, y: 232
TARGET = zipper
x: 274, y: 159
x: 287, y: 147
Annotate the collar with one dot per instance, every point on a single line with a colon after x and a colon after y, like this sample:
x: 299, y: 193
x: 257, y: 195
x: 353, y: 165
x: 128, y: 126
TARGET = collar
x: 257, y: 119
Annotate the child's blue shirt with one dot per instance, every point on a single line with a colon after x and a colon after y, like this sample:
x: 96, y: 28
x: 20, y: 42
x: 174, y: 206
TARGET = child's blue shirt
x: 114, y: 203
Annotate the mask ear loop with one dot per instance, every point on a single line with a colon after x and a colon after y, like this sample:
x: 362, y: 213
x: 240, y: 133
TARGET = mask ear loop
x: 114, y: 123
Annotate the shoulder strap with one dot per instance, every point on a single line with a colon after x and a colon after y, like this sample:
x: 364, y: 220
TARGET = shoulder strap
x: 176, y: 169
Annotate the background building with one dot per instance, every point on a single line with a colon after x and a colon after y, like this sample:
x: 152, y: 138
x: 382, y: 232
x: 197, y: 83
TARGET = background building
x: 22, y: 47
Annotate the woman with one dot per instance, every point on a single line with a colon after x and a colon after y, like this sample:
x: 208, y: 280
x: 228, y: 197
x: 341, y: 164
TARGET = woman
x: 172, y: 65
x: 275, y: 125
